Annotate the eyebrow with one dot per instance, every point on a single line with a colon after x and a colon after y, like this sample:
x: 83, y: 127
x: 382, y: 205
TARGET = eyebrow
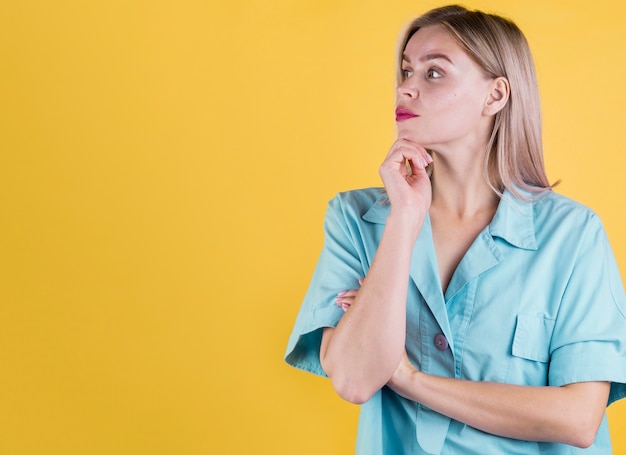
x: 427, y: 57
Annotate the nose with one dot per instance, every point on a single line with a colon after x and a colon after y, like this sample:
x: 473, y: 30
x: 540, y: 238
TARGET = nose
x: 407, y: 89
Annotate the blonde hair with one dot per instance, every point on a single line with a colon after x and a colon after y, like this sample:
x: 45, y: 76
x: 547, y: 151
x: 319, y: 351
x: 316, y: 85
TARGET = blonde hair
x: 514, y: 158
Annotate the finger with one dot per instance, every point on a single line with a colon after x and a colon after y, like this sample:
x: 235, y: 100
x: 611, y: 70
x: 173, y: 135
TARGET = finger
x: 341, y: 304
x: 402, y: 144
x: 349, y: 292
x: 402, y: 154
x: 416, y: 155
x: 399, y: 162
x: 419, y: 163
x: 340, y: 300
x: 349, y: 298
x: 344, y: 304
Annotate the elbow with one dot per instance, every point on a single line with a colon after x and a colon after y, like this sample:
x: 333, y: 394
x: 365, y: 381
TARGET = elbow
x: 583, y: 441
x: 585, y: 412
x: 584, y: 434
x: 349, y: 387
x: 354, y: 388
x: 353, y: 392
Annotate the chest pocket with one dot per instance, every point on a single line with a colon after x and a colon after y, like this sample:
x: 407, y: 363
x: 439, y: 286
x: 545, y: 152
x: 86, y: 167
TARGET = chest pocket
x: 532, y: 337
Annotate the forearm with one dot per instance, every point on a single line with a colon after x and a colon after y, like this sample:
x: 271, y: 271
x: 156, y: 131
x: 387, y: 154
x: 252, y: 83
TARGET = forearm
x: 570, y: 414
x: 362, y: 353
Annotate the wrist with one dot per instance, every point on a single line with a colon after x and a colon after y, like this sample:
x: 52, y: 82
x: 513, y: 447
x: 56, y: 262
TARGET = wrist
x: 410, y: 220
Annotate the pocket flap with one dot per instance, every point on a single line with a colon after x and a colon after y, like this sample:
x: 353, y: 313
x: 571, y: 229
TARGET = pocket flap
x: 532, y: 337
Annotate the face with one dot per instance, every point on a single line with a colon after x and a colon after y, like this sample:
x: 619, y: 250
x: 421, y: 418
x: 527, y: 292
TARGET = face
x: 445, y: 90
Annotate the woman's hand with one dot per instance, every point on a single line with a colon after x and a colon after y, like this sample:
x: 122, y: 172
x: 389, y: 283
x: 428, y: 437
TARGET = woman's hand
x: 570, y: 414
x: 345, y: 298
x: 405, y: 178
x: 361, y: 353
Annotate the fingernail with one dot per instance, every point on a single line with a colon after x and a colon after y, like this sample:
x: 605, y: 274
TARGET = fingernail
x: 361, y: 280
x: 342, y: 293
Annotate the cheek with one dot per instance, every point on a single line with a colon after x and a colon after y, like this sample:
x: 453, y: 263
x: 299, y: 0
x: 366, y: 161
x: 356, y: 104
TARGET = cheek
x: 445, y: 100
x: 464, y: 106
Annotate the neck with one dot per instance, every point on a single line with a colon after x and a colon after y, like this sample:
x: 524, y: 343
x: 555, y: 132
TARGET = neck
x: 459, y: 186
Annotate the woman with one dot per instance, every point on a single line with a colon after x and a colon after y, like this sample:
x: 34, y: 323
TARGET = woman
x: 491, y: 317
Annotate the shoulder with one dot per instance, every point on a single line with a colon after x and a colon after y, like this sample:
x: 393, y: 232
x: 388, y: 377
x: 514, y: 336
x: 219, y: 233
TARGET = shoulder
x: 355, y: 203
x: 559, y: 204
x: 555, y: 210
x: 360, y: 197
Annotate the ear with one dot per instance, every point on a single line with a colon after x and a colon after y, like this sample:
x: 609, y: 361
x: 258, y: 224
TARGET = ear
x: 497, y: 97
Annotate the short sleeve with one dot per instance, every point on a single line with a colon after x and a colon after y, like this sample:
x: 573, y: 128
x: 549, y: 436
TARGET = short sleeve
x: 339, y: 268
x: 589, y: 339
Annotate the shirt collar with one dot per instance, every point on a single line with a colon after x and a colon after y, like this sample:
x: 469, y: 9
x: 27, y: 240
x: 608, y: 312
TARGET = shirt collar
x: 513, y: 222
x: 379, y: 210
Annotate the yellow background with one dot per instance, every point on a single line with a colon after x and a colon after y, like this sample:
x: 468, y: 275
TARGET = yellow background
x: 164, y: 170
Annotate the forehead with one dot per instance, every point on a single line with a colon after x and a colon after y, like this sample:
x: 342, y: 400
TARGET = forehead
x: 434, y: 39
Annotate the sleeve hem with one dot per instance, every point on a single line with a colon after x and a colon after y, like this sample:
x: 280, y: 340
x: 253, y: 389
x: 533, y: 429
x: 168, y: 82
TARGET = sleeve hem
x: 303, y: 349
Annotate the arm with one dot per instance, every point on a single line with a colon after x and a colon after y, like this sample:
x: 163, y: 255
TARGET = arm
x: 570, y: 414
x: 362, y: 352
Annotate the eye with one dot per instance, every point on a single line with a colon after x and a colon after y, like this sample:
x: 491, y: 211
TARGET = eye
x: 433, y: 74
x: 406, y: 74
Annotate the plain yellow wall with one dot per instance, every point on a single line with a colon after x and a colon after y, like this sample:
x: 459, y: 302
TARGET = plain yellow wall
x: 164, y: 170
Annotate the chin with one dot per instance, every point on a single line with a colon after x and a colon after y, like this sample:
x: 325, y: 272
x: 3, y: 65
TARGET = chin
x: 412, y: 136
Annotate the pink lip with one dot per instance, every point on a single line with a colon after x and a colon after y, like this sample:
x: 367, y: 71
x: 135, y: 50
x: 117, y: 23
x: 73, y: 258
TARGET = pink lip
x: 403, y: 114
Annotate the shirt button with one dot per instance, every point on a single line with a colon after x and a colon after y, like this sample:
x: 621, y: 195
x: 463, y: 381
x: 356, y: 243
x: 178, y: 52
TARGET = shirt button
x: 441, y: 342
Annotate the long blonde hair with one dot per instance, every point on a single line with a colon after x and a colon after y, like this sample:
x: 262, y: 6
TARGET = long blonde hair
x: 514, y: 158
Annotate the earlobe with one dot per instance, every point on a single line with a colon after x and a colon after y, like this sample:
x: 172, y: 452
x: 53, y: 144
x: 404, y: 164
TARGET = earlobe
x: 498, y: 96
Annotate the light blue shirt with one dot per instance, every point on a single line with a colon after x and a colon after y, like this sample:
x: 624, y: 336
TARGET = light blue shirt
x: 536, y: 300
